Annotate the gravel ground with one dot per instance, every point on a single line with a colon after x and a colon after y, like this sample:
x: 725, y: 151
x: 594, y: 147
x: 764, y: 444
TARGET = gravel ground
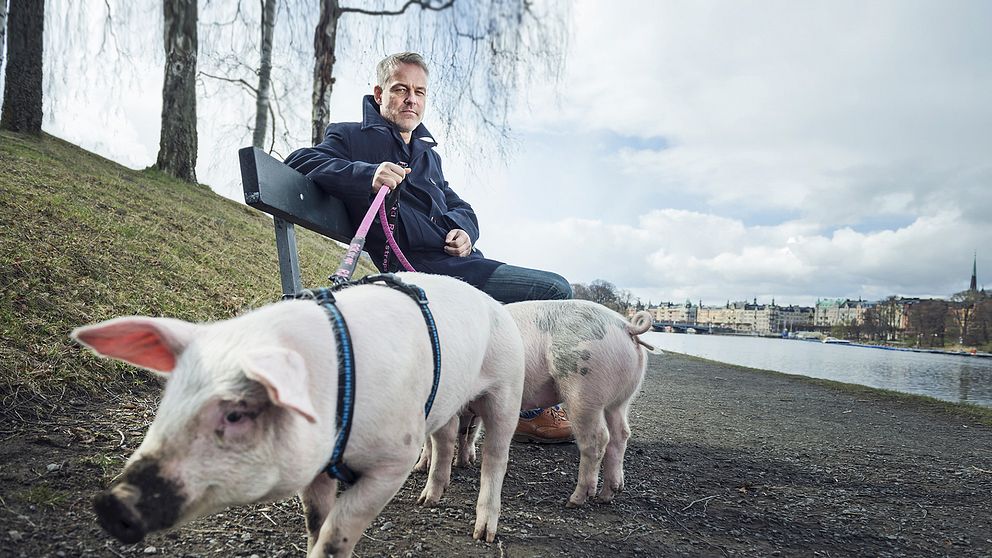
x: 724, y: 461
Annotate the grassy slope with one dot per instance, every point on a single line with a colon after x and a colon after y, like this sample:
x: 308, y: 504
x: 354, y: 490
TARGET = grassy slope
x: 84, y: 239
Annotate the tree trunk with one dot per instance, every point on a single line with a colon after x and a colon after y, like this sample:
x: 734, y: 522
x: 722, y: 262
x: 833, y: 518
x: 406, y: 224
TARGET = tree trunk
x: 264, y: 74
x: 22, y: 110
x: 177, y: 144
x: 324, y: 41
x: 3, y: 28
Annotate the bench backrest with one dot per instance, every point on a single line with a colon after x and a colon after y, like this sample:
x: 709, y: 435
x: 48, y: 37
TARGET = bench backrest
x: 291, y: 198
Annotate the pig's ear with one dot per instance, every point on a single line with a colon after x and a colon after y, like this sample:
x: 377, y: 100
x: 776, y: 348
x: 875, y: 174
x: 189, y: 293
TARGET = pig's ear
x: 152, y: 343
x: 284, y: 375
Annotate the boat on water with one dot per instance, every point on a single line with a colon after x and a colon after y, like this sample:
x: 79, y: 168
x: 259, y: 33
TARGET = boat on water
x: 836, y: 341
x: 805, y: 335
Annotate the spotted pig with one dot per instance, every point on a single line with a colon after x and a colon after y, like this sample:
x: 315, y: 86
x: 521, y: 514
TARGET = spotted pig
x: 591, y: 359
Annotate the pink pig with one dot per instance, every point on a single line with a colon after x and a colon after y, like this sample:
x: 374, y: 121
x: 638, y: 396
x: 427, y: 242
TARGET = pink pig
x: 249, y: 410
x: 590, y: 358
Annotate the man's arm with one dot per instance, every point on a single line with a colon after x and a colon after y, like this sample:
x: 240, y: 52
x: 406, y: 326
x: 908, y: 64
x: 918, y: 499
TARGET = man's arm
x: 330, y: 166
x: 460, y: 214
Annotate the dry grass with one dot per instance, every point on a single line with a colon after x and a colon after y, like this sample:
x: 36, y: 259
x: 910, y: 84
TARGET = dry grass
x: 85, y: 239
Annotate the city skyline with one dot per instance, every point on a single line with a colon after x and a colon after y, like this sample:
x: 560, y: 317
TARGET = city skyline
x: 974, y: 285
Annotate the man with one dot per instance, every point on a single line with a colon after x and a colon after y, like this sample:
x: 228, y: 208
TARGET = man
x: 435, y: 228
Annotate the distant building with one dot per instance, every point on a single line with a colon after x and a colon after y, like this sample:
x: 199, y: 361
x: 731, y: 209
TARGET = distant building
x: 676, y: 313
x: 741, y: 317
x: 795, y: 318
x: 840, y: 312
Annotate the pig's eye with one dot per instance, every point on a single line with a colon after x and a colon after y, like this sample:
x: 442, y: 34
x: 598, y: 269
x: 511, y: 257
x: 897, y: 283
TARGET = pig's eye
x: 234, y: 417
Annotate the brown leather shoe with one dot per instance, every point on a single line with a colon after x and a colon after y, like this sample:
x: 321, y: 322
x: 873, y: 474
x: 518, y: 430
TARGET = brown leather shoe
x: 549, y: 427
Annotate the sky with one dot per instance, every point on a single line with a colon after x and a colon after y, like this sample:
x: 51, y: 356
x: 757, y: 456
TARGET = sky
x: 704, y: 151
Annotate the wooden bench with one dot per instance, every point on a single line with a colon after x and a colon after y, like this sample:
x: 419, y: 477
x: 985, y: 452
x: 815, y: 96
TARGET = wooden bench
x: 291, y: 199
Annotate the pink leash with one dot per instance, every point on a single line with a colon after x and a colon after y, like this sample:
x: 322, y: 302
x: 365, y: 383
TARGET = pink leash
x: 350, y: 261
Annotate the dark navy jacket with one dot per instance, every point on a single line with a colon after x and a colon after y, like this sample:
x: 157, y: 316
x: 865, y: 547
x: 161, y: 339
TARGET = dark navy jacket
x: 343, y: 165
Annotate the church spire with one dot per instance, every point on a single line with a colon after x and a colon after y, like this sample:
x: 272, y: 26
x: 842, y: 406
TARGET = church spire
x: 974, y: 274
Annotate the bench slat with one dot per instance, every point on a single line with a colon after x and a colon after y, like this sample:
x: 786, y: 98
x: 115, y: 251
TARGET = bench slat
x: 278, y: 190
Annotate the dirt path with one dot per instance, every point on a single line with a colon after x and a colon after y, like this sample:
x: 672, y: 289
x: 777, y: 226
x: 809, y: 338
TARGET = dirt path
x: 724, y: 461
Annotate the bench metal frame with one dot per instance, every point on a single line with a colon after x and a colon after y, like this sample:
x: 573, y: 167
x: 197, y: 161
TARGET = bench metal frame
x: 291, y: 199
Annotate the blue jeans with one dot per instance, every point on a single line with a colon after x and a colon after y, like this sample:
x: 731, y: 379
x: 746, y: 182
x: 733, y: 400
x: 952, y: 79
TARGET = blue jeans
x: 510, y: 283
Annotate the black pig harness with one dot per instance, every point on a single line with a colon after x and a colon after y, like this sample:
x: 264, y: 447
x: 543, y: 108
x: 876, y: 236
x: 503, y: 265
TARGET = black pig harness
x: 346, y: 359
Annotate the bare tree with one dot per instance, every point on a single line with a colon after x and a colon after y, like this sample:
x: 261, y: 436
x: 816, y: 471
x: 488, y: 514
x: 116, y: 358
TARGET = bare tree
x: 264, y: 73
x: 3, y: 28
x: 928, y: 318
x: 982, y: 329
x: 963, y: 307
x: 177, y: 143
x: 229, y: 42
x: 581, y: 291
x: 22, y: 99
x: 607, y: 294
x: 325, y: 40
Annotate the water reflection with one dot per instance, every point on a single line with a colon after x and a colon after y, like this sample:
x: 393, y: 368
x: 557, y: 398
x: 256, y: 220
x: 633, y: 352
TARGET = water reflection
x: 947, y: 377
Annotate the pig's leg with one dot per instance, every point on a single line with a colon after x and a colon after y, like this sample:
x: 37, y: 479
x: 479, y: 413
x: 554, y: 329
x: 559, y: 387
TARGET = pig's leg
x: 318, y: 499
x: 592, y: 436
x: 357, y: 506
x: 616, y: 421
x: 468, y: 430
x: 424, y: 463
x: 499, y: 411
x: 443, y: 445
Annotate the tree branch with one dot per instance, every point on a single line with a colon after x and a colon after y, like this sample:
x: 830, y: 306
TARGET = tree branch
x: 424, y: 5
x: 240, y: 81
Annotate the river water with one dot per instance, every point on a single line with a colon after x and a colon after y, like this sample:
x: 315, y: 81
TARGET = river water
x: 949, y: 377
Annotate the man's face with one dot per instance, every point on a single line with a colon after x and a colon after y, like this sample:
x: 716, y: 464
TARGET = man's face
x: 403, y: 98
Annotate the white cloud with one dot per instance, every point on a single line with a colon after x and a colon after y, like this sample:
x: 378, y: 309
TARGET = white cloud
x: 814, y: 149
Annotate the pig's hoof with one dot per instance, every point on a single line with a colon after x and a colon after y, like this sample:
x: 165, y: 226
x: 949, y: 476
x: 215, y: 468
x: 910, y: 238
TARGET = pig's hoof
x: 609, y: 492
x: 429, y: 499
x: 484, y: 532
x: 574, y: 503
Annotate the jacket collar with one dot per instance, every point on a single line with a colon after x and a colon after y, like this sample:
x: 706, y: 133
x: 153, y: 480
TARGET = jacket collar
x: 372, y: 119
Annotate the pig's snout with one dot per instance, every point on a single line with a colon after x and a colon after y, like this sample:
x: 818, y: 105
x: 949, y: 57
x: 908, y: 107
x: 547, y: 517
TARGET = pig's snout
x: 119, y: 517
x: 143, y: 501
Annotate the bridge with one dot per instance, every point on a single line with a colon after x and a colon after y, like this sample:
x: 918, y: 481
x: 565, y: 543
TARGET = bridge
x: 683, y: 327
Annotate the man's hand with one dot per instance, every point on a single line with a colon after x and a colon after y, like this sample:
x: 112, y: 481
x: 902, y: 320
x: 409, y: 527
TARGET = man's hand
x: 389, y: 175
x: 457, y: 243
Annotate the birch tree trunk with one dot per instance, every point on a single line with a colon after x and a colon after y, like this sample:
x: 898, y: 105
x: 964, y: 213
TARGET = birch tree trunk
x: 177, y: 143
x: 324, y: 41
x: 264, y: 74
x: 22, y: 98
x: 3, y: 28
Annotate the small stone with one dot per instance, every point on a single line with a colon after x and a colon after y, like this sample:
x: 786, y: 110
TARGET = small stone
x: 386, y: 526
x: 53, y: 467
x: 246, y: 537
x: 15, y: 536
x: 254, y: 556
x: 60, y: 554
x: 150, y: 550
